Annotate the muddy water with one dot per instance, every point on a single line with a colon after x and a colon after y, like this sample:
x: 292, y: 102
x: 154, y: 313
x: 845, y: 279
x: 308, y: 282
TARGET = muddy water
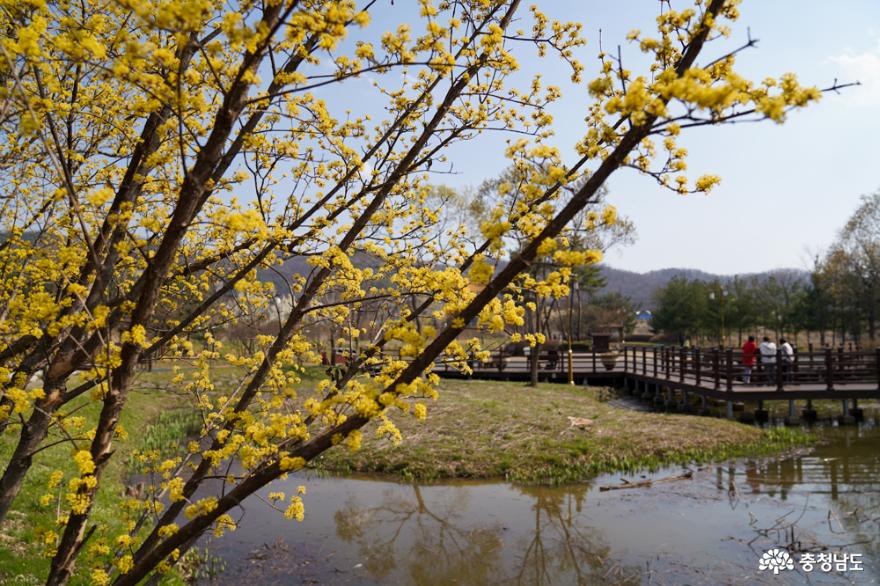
x: 709, y: 529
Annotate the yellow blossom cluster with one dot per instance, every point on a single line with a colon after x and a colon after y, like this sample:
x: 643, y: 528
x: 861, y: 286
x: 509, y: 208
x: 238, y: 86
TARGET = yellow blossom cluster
x: 180, y: 186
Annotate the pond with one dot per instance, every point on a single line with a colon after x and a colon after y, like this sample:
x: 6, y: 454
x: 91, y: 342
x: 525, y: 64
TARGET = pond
x: 709, y: 528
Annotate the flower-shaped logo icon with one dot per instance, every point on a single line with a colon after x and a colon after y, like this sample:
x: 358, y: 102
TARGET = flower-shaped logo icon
x: 775, y: 559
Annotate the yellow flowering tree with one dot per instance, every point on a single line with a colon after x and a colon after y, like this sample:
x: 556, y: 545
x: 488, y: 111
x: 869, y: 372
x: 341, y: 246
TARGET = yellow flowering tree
x: 159, y: 154
x: 561, y: 261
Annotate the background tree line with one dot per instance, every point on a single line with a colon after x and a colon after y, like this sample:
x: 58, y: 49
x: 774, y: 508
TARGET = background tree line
x: 836, y: 302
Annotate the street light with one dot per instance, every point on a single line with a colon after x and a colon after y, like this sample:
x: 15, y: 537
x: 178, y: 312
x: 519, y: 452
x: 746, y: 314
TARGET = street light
x: 570, y: 330
x: 721, y: 293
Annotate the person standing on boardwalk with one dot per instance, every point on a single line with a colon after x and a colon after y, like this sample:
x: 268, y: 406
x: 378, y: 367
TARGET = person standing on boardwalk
x: 768, y: 359
x: 749, y: 350
x: 787, y: 358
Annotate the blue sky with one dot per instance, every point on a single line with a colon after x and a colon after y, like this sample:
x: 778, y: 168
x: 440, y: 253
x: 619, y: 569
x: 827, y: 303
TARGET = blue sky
x: 786, y: 189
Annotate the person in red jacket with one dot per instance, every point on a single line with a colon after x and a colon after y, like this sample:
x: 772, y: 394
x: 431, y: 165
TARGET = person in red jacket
x: 749, y: 350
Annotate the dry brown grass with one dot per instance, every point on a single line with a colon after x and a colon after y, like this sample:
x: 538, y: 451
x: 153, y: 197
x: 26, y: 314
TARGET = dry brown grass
x: 488, y: 429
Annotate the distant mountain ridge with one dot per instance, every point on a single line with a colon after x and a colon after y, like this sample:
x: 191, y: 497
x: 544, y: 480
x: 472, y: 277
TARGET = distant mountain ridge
x: 640, y: 287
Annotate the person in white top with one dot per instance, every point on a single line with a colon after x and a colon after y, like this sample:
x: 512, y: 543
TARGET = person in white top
x: 787, y: 358
x: 768, y: 359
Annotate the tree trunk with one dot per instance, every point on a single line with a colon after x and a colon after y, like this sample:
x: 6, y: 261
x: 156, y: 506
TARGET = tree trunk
x: 101, y: 451
x: 534, y: 364
x: 32, y: 434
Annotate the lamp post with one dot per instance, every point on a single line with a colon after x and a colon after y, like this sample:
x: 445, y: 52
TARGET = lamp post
x: 721, y: 293
x: 570, y: 330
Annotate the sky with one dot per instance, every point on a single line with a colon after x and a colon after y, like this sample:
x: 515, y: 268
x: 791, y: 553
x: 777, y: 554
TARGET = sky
x: 786, y: 189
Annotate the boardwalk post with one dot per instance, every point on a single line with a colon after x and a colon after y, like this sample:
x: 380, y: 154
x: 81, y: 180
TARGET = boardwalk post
x: 829, y: 369
x: 809, y: 414
x: 644, y: 360
x: 682, y: 364
x: 877, y: 365
x: 762, y: 415
x: 716, y: 373
x: 697, y: 364
x: 780, y: 366
x: 594, y: 359
x: 501, y: 359
x: 625, y: 358
x: 668, y: 352
x: 856, y: 412
x: 656, y: 364
x: 729, y: 360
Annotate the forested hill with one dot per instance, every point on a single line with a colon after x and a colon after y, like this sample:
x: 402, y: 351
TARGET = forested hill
x: 640, y: 287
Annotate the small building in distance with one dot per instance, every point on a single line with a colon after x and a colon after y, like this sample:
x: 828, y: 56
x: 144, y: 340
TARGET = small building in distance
x: 644, y: 315
x: 642, y: 332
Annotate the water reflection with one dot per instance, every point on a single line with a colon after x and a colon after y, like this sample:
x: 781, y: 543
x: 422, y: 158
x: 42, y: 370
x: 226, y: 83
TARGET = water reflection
x: 562, y: 545
x: 707, y: 530
x: 431, y: 543
x: 432, y: 536
x: 833, y: 494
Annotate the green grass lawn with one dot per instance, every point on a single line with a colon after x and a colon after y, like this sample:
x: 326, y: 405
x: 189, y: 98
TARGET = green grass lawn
x: 157, y: 416
x: 21, y: 555
x: 488, y: 429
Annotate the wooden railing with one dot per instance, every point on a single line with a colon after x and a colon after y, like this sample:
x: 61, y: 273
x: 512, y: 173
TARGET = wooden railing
x: 548, y: 362
x: 721, y: 369
x: 724, y: 368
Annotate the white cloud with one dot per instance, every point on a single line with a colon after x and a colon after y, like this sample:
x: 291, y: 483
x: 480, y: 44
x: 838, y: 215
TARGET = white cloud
x: 864, y: 68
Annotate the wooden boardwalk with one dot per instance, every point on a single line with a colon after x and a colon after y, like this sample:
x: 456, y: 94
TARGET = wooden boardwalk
x: 709, y: 373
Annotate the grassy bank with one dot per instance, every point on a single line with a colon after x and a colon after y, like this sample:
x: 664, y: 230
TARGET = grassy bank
x: 477, y: 429
x: 487, y: 429
x: 21, y: 553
